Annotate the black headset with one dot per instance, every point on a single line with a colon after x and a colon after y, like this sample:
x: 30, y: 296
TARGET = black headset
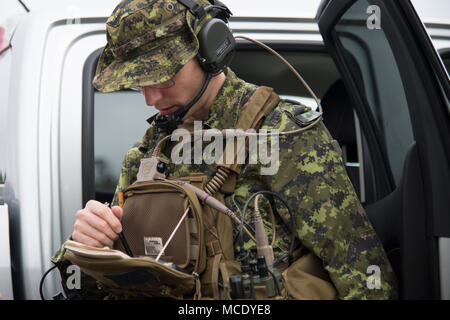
x: 217, y: 43
x: 216, y: 50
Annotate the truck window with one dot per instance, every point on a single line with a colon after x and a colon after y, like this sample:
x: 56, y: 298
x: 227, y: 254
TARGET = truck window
x: 369, y: 51
x: 119, y: 122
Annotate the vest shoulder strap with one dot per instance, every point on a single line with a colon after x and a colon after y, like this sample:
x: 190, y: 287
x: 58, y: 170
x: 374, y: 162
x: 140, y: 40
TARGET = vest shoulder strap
x: 260, y: 105
x: 257, y: 108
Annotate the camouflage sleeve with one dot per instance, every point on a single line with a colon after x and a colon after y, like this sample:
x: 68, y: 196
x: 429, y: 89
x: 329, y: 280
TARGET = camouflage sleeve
x: 330, y: 220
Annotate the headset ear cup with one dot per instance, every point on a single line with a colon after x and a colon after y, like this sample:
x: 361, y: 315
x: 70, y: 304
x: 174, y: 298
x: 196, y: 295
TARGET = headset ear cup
x: 217, y: 46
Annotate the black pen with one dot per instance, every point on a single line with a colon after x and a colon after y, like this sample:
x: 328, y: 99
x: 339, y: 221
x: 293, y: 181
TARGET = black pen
x: 122, y: 238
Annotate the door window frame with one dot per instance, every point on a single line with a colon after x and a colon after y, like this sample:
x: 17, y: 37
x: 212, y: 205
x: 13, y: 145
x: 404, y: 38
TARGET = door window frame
x: 87, y: 139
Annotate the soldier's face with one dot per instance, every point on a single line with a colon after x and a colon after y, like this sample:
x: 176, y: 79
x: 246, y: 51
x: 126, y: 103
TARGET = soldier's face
x: 187, y: 83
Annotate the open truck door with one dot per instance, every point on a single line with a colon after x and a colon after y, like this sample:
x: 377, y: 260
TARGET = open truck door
x: 400, y: 91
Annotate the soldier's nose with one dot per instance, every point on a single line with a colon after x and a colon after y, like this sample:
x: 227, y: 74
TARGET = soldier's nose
x: 152, y: 95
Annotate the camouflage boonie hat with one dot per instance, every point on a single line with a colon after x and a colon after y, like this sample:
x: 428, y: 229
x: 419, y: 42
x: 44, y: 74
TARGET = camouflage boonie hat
x: 148, y: 42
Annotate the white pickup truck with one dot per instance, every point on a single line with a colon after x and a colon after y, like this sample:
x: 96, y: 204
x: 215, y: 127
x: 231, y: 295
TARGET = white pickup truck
x: 378, y: 70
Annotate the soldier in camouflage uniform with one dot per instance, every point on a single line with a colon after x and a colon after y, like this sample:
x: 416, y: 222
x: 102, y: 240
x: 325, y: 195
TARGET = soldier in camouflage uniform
x: 311, y: 177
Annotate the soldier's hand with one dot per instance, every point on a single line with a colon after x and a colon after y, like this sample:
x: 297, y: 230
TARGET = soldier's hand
x: 97, y: 225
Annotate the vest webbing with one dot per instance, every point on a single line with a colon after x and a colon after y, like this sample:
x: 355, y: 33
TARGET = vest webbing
x: 259, y: 106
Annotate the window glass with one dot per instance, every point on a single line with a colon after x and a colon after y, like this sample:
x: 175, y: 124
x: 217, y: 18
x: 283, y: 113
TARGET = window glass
x: 119, y: 122
x: 369, y: 56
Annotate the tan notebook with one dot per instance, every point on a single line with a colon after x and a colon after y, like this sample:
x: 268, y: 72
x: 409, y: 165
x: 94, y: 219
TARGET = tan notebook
x: 94, y: 252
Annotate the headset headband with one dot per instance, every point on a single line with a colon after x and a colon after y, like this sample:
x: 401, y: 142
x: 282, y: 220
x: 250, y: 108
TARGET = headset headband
x: 196, y: 9
x: 222, y: 11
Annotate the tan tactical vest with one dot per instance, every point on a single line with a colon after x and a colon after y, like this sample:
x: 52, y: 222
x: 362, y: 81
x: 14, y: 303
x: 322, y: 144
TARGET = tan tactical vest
x: 199, y: 259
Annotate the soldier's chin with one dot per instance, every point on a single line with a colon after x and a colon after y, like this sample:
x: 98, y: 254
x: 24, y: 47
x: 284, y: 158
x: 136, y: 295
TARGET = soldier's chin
x: 168, y: 111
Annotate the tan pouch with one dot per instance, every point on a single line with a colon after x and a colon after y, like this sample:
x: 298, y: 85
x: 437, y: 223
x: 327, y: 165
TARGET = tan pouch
x: 151, y: 212
x: 306, y: 279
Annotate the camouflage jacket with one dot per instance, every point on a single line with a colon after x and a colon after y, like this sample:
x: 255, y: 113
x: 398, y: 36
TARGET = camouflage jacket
x: 311, y: 178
